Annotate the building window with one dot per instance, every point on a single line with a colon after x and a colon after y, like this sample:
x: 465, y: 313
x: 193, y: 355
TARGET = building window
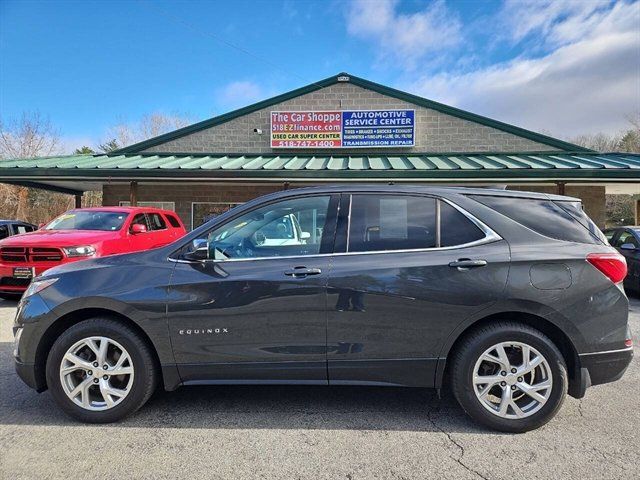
x: 162, y: 205
x: 202, y: 212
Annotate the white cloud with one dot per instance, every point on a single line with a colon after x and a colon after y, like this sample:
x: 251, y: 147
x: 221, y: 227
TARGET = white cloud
x: 551, y: 20
x: 588, y: 82
x: 239, y: 94
x: 406, y: 38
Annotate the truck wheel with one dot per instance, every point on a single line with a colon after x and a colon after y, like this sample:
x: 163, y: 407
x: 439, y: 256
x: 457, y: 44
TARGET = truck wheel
x: 100, y: 371
x: 509, y: 377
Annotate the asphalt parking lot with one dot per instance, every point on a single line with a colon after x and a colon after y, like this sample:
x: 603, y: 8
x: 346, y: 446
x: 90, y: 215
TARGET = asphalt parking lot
x: 313, y: 432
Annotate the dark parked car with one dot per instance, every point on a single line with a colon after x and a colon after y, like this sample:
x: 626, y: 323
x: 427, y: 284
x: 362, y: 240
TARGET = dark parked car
x: 15, y: 227
x: 513, y: 299
x: 627, y: 241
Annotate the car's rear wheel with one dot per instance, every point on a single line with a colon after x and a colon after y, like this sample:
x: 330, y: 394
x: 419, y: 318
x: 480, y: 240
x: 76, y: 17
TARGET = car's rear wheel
x: 100, y: 371
x: 509, y: 377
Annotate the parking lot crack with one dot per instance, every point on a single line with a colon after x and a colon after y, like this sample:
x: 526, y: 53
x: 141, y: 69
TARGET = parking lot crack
x: 458, y: 446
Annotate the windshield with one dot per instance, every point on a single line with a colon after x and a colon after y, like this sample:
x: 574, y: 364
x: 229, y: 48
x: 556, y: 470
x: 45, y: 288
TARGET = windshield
x: 88, y: 220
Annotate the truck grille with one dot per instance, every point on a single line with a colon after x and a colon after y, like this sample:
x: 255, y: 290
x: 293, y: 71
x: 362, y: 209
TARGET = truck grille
x: 30, y: 254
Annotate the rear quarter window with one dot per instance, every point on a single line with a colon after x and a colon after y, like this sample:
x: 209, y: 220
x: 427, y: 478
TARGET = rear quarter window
x: 551, y: 219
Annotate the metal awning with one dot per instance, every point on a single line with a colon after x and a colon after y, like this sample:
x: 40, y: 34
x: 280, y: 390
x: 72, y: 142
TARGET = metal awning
x: 90, y: 170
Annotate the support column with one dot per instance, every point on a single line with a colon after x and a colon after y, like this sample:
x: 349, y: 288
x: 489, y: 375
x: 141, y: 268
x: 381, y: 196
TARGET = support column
x: 78, y: 201
x: 560, y: 188
x: 133, y: 193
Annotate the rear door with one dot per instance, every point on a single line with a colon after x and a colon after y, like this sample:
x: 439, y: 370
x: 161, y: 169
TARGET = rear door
x: 407, y: 270
x: 160, y: 232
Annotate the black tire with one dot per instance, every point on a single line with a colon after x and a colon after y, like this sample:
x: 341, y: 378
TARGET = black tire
x: 483, y: 338
x: 145, y: 371
x: 11, y: 297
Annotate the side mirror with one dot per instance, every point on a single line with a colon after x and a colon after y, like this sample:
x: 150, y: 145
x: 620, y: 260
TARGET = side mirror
x: 138, y: 228
x: 305, y: 235
x: 628, y: 246
x: 200, y: 250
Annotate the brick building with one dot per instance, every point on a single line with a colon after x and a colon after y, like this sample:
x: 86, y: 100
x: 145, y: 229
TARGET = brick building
x: 204, y: 169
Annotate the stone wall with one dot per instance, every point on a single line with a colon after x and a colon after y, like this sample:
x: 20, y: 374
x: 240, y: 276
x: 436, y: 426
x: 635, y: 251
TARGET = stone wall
x: 435, y: 131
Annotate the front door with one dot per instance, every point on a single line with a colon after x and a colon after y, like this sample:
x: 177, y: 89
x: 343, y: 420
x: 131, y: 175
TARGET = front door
x: 255, y: 308
x: 413, y: 268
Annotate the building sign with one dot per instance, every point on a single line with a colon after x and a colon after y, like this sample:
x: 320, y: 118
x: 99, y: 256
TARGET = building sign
x: 343, y: 129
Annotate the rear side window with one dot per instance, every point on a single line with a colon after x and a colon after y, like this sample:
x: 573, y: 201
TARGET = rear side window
x: 4, y: 231
x: 545, y: 217
x: 456, y: 228
x: 173, y: 221
x: 156, y: 221
x: 390, y: 222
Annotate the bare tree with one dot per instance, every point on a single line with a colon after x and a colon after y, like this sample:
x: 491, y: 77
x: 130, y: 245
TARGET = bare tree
x: 149, y: 126
x: 601, y: 142
x: 31, y: 135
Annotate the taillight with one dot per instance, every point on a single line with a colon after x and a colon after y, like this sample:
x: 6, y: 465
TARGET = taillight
x: 612, y: 265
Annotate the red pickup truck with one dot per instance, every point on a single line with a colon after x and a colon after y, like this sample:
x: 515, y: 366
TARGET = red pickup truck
x: 81, y: 234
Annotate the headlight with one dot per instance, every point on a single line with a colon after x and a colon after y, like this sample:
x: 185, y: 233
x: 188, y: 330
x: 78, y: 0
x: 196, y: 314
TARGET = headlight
x: 39, y: 285
x: 83, y: 251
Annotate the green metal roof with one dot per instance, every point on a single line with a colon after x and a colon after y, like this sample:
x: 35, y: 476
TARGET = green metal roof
x: 428, y: 166
x: 369, y: 85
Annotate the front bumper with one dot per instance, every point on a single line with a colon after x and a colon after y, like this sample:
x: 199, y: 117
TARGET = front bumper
x: 27, y: 373
x: 10, y: 284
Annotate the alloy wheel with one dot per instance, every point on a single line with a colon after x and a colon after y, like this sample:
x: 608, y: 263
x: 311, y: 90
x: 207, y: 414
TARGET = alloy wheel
x: 96, y: 373
x: 512, y: 380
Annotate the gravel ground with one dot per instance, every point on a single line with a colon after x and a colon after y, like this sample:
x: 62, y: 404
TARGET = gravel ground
x: 313, y: 432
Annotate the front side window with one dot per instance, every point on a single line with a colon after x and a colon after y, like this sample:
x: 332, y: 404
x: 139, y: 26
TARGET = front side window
x: 626, y: 237
x: 23, y: 228
x: 139, y: 219
x: 391, y: 222
x: 291, y: 227
x: 88, y: 220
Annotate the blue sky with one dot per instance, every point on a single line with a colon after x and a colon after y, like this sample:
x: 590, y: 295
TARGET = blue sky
x: 560, y: 67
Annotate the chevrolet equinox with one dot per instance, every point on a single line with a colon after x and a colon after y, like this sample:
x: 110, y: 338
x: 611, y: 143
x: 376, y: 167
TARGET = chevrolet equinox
x: 512, y: 299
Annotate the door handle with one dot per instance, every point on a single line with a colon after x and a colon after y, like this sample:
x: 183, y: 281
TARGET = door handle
x: 463, y: 264
x: 301, y: 272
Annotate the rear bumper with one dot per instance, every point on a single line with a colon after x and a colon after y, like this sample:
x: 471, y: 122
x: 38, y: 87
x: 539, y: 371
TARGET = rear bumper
x: 600, y: 367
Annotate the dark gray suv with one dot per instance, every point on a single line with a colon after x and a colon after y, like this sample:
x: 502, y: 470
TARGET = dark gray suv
x: 513, y: 299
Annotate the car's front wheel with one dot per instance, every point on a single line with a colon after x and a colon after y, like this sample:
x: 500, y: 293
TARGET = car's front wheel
x: 509, y: 377
x: 100, y: 371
